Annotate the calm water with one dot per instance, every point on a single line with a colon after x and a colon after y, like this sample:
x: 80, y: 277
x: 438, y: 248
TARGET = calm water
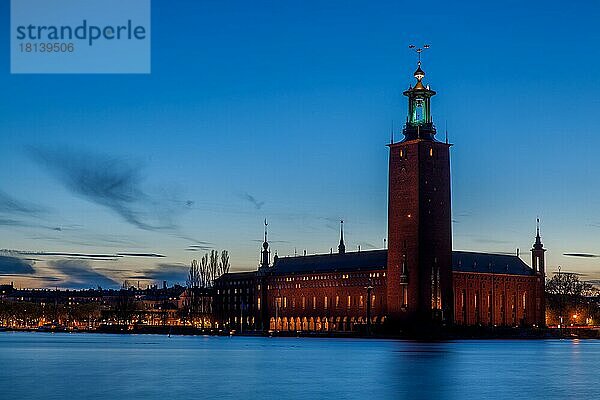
x: 90, y: 366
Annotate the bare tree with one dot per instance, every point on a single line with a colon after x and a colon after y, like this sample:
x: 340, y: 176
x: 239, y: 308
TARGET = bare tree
x: 567, y: 295
x: 204, y: 270
x: 193, y: 283
x: 568, y: 284
x: 213, y: 266
x: 202, y: 276
x: 224, y: 264
x: 193, y: 280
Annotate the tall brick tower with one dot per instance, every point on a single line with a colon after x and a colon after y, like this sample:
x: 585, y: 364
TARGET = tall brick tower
x: 419, y: 270
x: 538, y: 264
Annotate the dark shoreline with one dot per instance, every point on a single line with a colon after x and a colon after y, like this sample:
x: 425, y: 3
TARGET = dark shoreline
x: 453, y: 333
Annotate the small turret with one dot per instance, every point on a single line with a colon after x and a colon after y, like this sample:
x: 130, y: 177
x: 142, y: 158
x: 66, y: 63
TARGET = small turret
x: 342, y: 246
x: 266, y: 254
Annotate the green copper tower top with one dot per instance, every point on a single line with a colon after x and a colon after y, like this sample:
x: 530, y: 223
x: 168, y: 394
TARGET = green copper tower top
x: 419, y: 124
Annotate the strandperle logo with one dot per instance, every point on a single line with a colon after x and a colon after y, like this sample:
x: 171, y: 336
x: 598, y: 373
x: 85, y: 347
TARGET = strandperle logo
x: 85, y: 31
x: 80, y: 36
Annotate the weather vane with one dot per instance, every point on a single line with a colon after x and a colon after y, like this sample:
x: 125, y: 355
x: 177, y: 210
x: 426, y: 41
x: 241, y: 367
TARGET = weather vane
x: 419, y: 50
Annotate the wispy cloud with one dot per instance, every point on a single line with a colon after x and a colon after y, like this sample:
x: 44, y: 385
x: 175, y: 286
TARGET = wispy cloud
x: 491, y: 241
x: 61, y: 254
x: 15, y: 266
x: 563, y: 271
x: 111, y: 182
x: 10, y: 205
x: 86, y: 239
x: 22, y: 214
x: 95, y: 256
x: 271, y: 241
x: 25, y: 224
x: 200, y: 246
x: 582, y: 255
x: 207, y: 248
x: 331, y: 223
x: 141, y: 255
x: 193, y: 240
x: 257, y: 204
x: 172, y: 273
x: 80, y: 274
x: 366, y: 245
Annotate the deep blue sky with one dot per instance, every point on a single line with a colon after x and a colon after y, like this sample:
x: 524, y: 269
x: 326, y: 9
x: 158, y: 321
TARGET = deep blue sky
x: 282, y: 110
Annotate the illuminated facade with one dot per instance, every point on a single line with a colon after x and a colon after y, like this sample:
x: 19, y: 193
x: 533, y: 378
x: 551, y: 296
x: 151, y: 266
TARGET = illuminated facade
x: 419, y: 279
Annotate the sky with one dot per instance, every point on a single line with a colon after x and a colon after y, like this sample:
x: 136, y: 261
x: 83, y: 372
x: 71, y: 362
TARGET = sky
x: 282, y: 110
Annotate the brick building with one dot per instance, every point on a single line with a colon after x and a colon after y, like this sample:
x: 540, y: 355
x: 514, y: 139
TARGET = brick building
x: 419, y: 279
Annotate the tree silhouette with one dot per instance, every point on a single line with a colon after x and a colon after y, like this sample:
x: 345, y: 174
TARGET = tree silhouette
x: 224, y: 264
x: 568, y: 296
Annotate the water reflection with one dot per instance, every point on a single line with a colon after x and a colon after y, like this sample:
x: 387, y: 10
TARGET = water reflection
x: 89, y: 366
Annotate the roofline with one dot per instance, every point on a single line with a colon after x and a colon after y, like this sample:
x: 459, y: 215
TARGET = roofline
x: 332, y: 254
x: 492, y: 273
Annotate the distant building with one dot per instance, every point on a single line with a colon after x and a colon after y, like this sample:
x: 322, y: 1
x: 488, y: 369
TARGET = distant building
x: 417, y: 280
x: 6, y: 289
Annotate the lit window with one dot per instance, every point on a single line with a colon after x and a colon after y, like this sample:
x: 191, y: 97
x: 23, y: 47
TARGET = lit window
x: 314, y: 302
x: 337, y: 301
x: 258, y: 303
x: 349, y: 301
x: 430, y: 152
x: 325, y: 302
x: 360, y: 302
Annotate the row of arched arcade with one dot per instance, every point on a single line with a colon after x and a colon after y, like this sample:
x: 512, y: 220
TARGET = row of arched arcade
x: 318, y: 324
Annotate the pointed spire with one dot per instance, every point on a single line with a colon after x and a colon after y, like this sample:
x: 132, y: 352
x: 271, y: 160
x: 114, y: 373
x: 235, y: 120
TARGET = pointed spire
x: 266, y: 254
x: 538, y: 240
x: 342, y: 246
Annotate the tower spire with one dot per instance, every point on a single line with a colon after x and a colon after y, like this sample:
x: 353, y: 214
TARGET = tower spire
x: 538, y: 240
x: 537, y: 251
x: 342, y: 246
x: 538, y: 264
x: 265, y: 259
